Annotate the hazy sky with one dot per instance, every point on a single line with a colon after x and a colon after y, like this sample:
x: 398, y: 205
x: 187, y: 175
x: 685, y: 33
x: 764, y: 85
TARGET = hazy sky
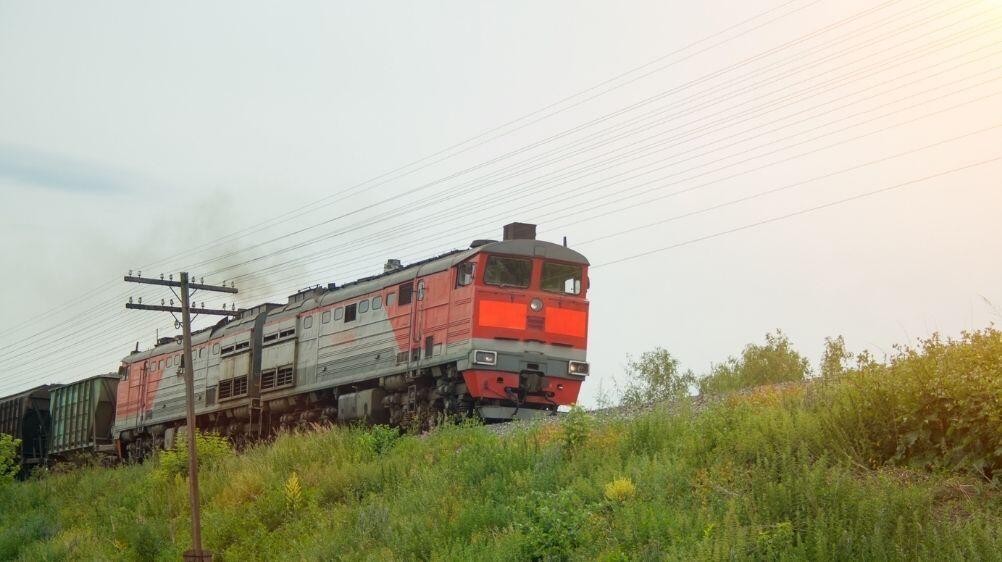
x: 135, y: 135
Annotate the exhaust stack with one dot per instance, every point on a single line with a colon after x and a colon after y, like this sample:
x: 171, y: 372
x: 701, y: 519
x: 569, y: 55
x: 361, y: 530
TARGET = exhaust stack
x: 519, y: 231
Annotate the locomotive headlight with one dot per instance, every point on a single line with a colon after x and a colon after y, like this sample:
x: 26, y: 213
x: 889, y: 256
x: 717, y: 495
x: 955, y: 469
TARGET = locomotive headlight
x: 536, y: 305
x: 485, y: 357
x: 577, y: 367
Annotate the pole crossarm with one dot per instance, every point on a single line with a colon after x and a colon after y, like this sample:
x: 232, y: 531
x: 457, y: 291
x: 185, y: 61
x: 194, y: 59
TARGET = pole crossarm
x: 169, y: 283
x: 160, y: 308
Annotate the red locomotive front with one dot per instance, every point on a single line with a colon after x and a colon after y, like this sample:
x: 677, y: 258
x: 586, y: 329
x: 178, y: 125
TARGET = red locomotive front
x: 530, y: 326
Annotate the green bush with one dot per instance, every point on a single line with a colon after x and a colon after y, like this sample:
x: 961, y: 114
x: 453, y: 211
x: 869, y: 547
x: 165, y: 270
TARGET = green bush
x: 575, y: 428
x: 211, y: 448
x: 555, y: 525
x: 655, y: 377
x: 937, y: 405
x: 774, y: 362
x: 9, y: 448
x: 381, y: 438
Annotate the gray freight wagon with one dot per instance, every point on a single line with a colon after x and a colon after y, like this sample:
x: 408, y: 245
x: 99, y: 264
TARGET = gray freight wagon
x: 82, y: 415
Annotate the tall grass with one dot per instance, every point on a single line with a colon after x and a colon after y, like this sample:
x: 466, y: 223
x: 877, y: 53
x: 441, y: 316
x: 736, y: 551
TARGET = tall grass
x: 791, y: 473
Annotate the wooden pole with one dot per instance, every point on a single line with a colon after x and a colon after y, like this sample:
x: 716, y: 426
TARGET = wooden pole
x: 189, y: 389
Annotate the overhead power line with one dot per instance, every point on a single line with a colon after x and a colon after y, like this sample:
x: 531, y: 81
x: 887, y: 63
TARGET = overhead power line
x: 800, y: 212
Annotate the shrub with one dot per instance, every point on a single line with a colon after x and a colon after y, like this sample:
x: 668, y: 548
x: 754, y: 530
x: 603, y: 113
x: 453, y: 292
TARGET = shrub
x: 575, y: 428
x: 211, y: 448
x: 620, y: 490
x: 8, y: 458
x: 381, y: 438
x: 555, y: 525
x: 934, y: 406
x: 655, y: 377
x: 774, y: 362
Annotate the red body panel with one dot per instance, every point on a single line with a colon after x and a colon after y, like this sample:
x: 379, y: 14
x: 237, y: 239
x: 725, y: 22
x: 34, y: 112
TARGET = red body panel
x: 504, y: 313
x: 493, y: 384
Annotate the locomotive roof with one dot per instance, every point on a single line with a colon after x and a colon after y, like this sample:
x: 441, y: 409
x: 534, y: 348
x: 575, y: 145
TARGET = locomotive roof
x: 320, y: 296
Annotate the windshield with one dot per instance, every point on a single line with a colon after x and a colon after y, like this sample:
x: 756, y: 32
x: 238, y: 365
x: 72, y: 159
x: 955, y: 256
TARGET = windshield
x: 562, y: 278
x: 508, y: 272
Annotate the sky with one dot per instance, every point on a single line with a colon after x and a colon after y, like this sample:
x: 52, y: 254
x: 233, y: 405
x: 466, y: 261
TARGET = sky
x: 729, y: 168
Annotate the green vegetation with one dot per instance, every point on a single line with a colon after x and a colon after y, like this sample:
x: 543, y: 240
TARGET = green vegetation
x: 937, y: 406
x: 774, y: 362
x: 655, y: 377
x: 870, y: 462
x: 173, y: 463
x: 8, y: 458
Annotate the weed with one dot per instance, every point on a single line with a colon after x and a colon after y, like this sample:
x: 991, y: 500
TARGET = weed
x: 575, y: 427
x: 211, y: 449
x: 620, y: 490
x: 555, y: 525
x: 293, y: 493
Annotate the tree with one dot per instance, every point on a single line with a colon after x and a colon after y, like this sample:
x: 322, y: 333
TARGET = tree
x: 8, y: 458
x: 772, y: 363
x: 655, y: 377
x: 835, y: 359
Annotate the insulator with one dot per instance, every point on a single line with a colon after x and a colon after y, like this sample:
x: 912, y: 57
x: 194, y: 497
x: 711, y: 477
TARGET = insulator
x: 130, y: 300
x: 201, y: 280
x: 203, y: 305
x: 172, y: 302
x: 139, y: 273
x: 171, y: 277
x: 140, y: 300
x: 161, y: 276
x: 161, y: 302
x: 130, y: 273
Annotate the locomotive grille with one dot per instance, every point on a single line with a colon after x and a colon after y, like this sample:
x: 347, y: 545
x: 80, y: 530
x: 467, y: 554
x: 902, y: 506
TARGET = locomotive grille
x: 240, y: 386
x: 278, y: 378
x: 232, y: 388
x: 285, y: 377
x: 535, y: 322
x: 225, y: 389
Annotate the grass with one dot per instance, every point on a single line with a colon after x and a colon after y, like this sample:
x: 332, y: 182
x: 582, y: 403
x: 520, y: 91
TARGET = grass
x: 774, y: 474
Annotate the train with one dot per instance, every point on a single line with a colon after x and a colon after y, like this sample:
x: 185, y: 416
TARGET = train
x: 498, y: 330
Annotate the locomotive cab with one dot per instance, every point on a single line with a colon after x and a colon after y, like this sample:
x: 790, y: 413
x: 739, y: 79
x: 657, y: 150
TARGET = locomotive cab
x: 530, y: 327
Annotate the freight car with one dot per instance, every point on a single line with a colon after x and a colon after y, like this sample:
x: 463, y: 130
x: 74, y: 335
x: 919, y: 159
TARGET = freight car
x: 498, y: 330
x: 25, y: 416
x: 54, y: 422
x: 82, y: 413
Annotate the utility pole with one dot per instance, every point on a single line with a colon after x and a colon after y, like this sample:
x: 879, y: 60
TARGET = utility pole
x: 196, y: 554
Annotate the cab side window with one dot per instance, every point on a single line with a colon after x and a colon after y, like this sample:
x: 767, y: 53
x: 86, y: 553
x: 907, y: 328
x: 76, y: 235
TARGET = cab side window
x: 406, y: 293
x: 465, y: 273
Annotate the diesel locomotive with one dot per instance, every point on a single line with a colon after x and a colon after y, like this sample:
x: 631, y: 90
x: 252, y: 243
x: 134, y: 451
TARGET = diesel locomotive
x: 498, y: 330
